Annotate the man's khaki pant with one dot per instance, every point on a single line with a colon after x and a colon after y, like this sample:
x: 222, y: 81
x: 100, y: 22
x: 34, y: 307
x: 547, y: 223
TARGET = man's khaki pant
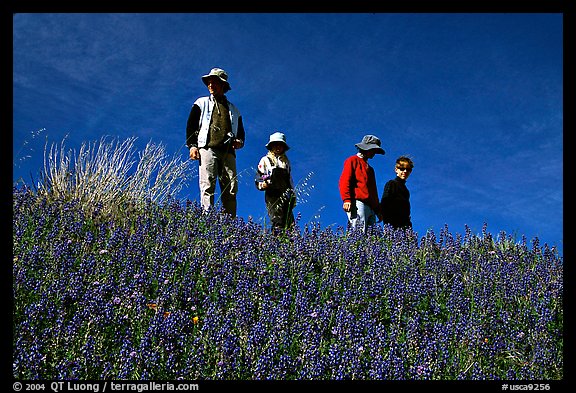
x: 218, y: 165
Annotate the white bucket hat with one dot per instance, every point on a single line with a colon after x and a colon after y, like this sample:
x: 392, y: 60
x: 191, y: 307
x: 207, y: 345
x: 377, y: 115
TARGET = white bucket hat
x: 220, y: 74
x: 278, y: 137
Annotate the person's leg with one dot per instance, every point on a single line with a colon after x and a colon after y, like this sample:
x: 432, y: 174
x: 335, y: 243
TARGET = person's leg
x: 361, y: 216
x: 370, y: 217
x: 354, y: 218
x: 273, y: 211
x: 288, y: 219
x: 207, y: 176
x: 228, y: 183
x: 288, y: 211
x: 283, y: 216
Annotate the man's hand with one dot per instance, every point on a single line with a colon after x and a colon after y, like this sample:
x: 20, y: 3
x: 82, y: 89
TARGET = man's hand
x: 346, y: 206
x: 237, y: 144
x: 194, y: 153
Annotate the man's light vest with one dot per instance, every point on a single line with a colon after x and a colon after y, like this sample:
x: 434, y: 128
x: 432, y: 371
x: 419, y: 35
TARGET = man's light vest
x: 206, y: 105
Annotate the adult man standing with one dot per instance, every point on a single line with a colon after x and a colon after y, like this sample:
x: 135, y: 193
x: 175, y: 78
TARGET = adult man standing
x: 213, y: 134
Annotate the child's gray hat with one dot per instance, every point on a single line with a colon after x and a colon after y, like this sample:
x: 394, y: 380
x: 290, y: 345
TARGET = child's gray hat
x: 220, y: 74
x: 370, y: 142
x: 278, y: 137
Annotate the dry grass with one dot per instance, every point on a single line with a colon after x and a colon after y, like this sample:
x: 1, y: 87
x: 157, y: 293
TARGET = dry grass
x: 101, y: 175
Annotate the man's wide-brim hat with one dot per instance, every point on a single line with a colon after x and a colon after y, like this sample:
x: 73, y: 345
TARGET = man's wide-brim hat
x: 278, y: 137
x: 221, y: 75
x: 370, y: 142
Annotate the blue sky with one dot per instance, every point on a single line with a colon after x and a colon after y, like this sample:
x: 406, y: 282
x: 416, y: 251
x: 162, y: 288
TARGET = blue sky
x: 476, y: 99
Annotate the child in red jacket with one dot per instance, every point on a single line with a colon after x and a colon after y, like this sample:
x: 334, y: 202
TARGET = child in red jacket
x: 358, y: 185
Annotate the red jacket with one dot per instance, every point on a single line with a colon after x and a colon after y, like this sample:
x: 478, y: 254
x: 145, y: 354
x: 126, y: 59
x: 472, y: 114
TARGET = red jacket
x: 358, y: 182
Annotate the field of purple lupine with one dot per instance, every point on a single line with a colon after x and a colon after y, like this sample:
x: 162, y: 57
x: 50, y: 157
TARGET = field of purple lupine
x: 175, y: 293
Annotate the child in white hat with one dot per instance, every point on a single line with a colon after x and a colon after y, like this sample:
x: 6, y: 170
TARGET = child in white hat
x: 274, y: 176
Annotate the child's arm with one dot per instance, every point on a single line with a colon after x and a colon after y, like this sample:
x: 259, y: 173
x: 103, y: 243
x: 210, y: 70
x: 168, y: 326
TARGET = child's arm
x: 262, y: 175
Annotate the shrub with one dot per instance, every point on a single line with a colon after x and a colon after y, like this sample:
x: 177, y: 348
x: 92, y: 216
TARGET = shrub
x: 101, y: 176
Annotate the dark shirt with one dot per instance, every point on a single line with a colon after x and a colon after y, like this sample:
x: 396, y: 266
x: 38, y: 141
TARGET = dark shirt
x: 395, y: 204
